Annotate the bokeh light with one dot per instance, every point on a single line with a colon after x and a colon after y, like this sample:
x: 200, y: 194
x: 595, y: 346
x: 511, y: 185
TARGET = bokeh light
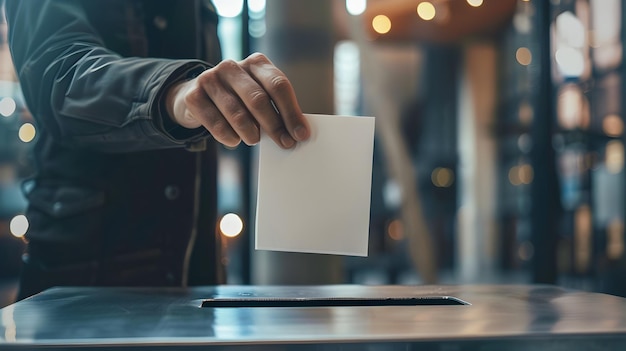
x: 523, y: 56
x: 228, y: 8
x: 614, y: 156
x: 256, y: 5
x: 514, y: 176
x: 526, y: 113
x: 526, y: 173
x: 356, y: 7
x: 27, y: 132
x: 395, y: 230
x: 231, y: 225
x: 442, y: 177
x: 18, y: 226
x: 570, y: 61
x: 570, y: 107
x: 612, y: 125
x: 426, y: 10
x: 615, y: 239
x: 7, y: 106
x: 381, y: 24
x: 521, y: 174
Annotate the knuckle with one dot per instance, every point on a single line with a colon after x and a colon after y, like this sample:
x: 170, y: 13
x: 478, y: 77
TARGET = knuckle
x: 259, y: 99
x: 280, y: 83
x: 219, y: 128
x: 239, y: 119
x: 206, y: 77
x: 228, y: 65
x: 231, y: 104
x: 257, y: 58
x: 193, y: 97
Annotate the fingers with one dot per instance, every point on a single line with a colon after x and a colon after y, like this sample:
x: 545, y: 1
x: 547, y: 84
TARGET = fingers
x: 201, y: 108
x: 281, y: 92
x: 234, y: 101
x: 253, y: 99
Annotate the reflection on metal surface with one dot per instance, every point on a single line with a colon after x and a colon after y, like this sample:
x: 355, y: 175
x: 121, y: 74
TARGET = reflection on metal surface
x: 503, y: 317
x: 334, y: 302
x: 8, y: 324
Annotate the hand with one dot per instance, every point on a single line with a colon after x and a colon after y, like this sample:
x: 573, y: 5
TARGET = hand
x: 235, y: 100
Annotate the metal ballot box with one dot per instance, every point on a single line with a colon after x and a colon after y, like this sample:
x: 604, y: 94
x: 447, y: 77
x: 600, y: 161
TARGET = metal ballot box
x: 334, y: 317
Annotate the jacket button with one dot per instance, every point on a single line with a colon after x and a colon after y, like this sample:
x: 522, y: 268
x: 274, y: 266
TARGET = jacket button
x: 57, y: 207
x: 160, y: 22
x: 172, y: 192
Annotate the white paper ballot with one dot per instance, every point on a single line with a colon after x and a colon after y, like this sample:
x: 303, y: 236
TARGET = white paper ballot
x: 315, y: 198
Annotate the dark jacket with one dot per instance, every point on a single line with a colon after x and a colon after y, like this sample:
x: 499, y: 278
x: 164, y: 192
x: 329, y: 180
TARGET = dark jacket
x: 115, y: 177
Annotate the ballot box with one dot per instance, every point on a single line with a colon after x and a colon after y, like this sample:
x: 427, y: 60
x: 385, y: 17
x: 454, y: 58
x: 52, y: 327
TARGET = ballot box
x: 335, y: 317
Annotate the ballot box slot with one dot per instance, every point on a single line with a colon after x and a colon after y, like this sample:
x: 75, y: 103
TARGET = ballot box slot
x: 333, y: 302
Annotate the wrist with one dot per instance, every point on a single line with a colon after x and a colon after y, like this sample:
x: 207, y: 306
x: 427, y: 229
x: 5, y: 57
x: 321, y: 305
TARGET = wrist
x: 171, y: 101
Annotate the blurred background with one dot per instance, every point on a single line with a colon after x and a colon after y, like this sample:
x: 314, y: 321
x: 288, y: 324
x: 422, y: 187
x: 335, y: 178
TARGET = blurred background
x: 499, y: 152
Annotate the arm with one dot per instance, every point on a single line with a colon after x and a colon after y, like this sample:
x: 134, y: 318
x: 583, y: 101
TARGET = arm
x: 84, y: 94
x: 89, y: 96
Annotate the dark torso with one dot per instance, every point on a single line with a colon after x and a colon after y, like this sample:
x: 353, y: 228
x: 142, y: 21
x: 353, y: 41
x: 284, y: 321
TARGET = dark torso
x: 137, y: 208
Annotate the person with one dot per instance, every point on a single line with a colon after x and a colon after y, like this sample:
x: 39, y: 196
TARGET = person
x: 131, y: 98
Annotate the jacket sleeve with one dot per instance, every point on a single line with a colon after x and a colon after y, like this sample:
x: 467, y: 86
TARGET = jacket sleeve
x: 86, y: 95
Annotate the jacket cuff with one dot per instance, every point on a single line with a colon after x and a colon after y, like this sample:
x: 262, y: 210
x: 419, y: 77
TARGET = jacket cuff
x: 162, y: 124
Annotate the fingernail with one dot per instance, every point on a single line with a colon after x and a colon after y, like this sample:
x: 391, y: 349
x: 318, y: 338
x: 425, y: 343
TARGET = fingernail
x: 287, y: 141
x: 300, y: 133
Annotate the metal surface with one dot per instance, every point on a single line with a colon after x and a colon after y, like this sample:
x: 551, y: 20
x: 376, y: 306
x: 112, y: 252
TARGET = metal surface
x: 497, y: 317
